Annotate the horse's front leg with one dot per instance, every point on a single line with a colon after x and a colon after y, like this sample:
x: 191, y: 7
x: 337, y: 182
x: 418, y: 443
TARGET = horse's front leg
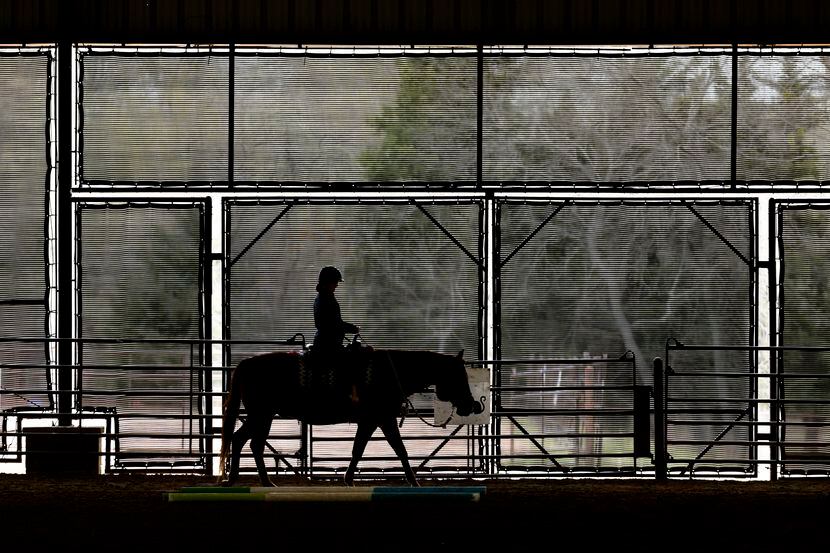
x: 361, y: 438
x: 393, y: 436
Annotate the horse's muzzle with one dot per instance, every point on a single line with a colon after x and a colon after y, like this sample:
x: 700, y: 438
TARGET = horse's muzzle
x: 474, y: 407
x: 478, y: 407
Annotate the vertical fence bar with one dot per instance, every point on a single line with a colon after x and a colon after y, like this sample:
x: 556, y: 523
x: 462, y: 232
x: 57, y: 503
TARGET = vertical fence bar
x: 775, y: 356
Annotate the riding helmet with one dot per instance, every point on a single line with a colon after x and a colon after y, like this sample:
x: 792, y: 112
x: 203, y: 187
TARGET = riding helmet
x: 330, y: 274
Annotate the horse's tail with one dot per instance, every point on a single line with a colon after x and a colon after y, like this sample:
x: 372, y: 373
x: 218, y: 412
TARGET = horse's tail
x: 230, y: 411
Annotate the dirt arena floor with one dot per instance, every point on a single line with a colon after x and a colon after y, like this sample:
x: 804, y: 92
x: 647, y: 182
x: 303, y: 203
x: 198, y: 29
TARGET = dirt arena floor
x: 131, y: 513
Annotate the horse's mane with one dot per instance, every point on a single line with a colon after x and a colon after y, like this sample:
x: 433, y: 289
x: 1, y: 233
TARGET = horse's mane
x: 424, y: 360
x: 420, y: 353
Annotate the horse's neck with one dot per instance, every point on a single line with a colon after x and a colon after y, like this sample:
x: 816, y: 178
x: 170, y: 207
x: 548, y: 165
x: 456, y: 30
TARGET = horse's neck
x: 413, y: 368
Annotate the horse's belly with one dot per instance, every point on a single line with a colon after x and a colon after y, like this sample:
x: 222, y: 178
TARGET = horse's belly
x: 320, y: 408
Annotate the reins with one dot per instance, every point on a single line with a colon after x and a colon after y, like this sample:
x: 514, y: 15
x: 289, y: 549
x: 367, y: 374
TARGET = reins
x: 408, y: 402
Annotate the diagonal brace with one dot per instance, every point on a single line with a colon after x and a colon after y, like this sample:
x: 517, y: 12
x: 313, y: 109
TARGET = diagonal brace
x: 532, y: 234
x: 435, y: 451
x: 718, y: 234
x: 260, y: 235
x: 719, y: 437
x: 449, y: 235
x: 539, y: 446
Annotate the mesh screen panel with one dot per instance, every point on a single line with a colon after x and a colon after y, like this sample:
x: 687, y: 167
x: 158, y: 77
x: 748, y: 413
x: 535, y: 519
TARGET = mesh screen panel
x: 154, y: 118
x: 607, y: 119
x: 608, y: 278
x: 601, y: 279
x: 406, y: 284
x: 139, y: 279
x: 355, y: 119
x: 805, y: 246
x: 23, y: 172
x: 24, y: 169
x: 782, y: 118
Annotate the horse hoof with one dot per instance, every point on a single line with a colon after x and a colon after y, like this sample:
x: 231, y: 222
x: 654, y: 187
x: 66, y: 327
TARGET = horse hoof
x: 349, y: 481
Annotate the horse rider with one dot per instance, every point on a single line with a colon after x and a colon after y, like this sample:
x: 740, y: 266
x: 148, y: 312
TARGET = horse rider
x: 328, y: 348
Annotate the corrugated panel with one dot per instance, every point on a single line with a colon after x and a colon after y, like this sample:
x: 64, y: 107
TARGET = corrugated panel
x: 606, y: 119
x: 416, y: 21
x: 155, y: 118
x: 335, y: 119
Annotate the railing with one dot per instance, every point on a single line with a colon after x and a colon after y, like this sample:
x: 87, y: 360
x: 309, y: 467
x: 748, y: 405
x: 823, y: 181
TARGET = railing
x: 575, y: 417
x: 155, y: 405
x: 723, y: 411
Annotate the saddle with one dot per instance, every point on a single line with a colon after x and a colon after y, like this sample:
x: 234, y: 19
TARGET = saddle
x: 333, y: 373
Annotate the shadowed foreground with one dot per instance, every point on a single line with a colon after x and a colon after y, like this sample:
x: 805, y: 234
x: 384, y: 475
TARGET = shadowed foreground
x: 119, y: 513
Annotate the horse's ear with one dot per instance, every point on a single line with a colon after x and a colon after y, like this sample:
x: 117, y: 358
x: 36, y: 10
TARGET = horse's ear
x: 460, y: 354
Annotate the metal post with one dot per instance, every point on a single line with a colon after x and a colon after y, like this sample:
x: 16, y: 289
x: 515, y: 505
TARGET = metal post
x: 660, y: 454
x: 775, y: 355
x: 642, y: 426
x: 64, y: 232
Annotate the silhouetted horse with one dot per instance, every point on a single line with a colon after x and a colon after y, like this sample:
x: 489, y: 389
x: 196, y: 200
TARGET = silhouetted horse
x: 276, y: 384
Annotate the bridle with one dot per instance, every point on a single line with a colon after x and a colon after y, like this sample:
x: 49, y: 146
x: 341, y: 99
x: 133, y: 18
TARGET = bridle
x: 423, y: 420
x: 408, y: 402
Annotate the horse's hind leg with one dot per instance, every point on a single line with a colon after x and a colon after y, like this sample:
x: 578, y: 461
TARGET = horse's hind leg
x: 393, y: 436
x: 259, y: 434
x: 237, y: 443
x: 361, y: 438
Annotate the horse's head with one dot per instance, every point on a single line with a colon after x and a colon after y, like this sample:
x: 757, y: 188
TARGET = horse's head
x: 454, y: 387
